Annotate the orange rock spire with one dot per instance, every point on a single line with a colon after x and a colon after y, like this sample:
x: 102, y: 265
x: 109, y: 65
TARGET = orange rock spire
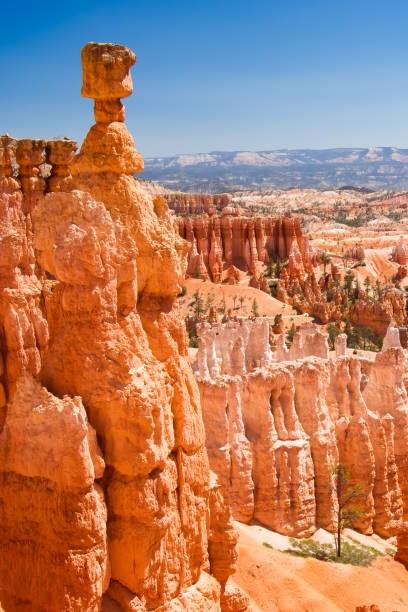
x: 110, y: 264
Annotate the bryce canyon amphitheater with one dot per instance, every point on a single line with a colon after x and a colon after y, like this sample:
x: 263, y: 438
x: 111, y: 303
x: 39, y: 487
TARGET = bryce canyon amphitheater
x: 146, y: 468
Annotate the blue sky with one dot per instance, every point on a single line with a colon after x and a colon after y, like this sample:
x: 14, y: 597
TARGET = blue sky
x: 215, y: 75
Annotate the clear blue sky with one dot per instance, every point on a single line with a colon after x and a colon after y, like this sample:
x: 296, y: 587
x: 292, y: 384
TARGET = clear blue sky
x: 215, y: 75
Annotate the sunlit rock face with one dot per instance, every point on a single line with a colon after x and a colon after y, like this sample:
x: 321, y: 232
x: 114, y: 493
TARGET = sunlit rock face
x: 53, y: 513
x: 105, y: 476
x: 222, y: 243
x: 277, y: 425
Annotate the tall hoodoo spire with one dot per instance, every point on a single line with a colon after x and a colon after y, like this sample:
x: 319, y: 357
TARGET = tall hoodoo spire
x: 108, y: 146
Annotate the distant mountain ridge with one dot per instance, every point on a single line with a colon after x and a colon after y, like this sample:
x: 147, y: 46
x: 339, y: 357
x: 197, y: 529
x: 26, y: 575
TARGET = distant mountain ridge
x: 375, y: 168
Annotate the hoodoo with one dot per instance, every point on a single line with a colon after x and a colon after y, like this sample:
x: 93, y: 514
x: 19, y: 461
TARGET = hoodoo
x: 128, y: 447
x: 278, y: 422
x: 105, y: 481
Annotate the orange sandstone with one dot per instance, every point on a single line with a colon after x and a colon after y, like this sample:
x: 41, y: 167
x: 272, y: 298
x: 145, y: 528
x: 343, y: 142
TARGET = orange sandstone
x: 94, y: 320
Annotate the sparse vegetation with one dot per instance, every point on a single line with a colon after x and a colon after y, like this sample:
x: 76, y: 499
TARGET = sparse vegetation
x: 347, y: 510
x: 353, y: 554
x: 277, y: 320
x: 273, y: 287
x: 192, y: 336
x: 198, y: 305
x: 291, y: 333
x: 254, y: 308
x: 325, y: 259
x: 333, y: 332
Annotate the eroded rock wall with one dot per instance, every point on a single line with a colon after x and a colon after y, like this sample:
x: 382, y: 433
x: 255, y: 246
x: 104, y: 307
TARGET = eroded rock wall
x: 220, y: 244
x: 95, y: 383
x: 296, y: 420
x: 196, y: 203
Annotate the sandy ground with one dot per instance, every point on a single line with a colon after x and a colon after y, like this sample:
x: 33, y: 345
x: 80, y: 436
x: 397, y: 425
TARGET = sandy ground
x: 281, y: 542
x: 278, y: 582
x: 267, y: 305
x: 378, y: 265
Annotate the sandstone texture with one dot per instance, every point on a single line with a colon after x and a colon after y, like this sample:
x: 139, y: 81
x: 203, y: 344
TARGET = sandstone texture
x: 106, y: 484
x: 278, y: 422
x: 402, y: 543
x: 53, y: 514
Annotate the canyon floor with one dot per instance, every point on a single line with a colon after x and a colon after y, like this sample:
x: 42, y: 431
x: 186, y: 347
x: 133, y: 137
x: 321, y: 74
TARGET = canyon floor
x: 279, y: 582
x: 268, y: 306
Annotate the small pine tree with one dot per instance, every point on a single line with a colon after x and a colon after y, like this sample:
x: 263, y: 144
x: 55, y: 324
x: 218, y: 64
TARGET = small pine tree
x: 367, y: 284
x: 271, y: 267
x: 208, y: 302
x: 367, y: 334
x: 325, y: 259
x: 353, y: 334
x: 198, y: 306
x: 254, y: 308
x: 348, y: 281
x: 379, y: 290
x: 291, y: 332
x: 333, y: 332
x: 356, y: 337
x: 345, y: 493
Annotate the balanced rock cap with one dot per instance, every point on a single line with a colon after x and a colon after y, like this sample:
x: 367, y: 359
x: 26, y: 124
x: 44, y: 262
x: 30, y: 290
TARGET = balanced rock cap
x: 105, y: 71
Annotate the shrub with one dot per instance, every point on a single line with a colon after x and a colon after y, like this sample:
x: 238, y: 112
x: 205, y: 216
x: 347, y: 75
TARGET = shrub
x: 273, y: 287
x: 352, y: 554
x: 254, y: 309
x: 291, y: 333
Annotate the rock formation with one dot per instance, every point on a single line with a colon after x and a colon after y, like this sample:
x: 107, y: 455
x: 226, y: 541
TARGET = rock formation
x: 53, y: 514
x: 402, y: 545
x: 196, y: 203
x: 230, y: 240
x: 327, y: 301
x: 94, y: 373
x: 276, y: 425
x: 308, y: 341
x: 399, y: 253
x: 356, y: 252
x: 60, y: 154
x: 378, y: 315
